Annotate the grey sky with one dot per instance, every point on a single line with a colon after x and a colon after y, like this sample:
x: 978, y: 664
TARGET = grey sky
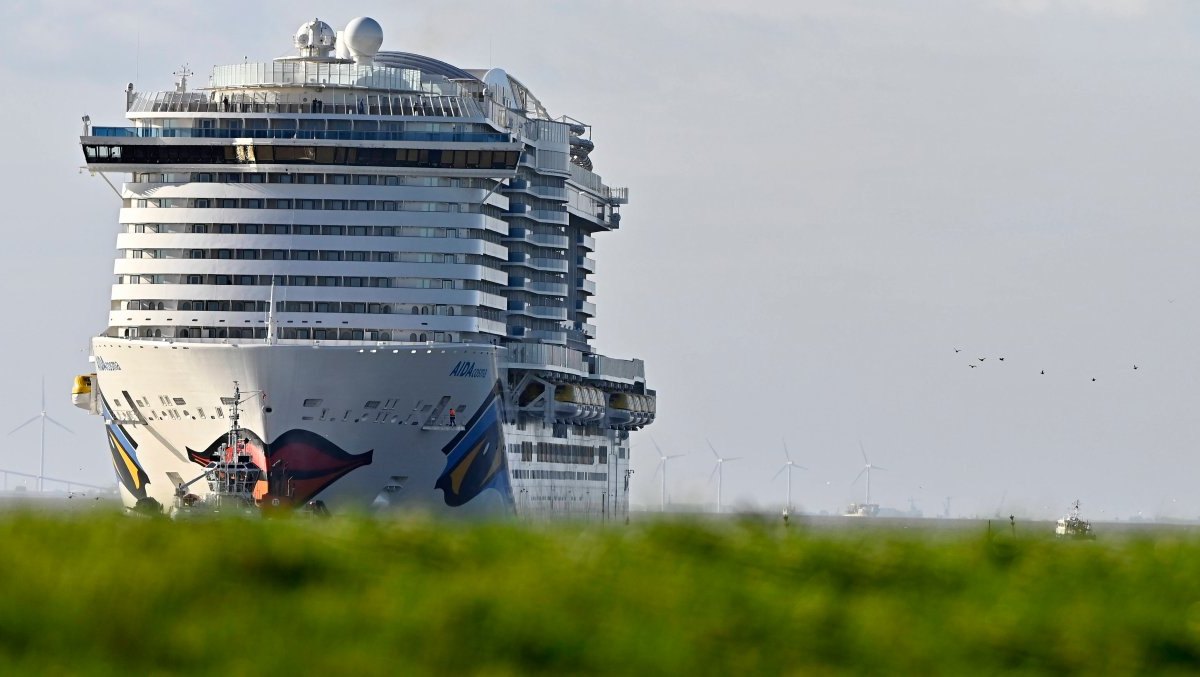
x: 827, y: 198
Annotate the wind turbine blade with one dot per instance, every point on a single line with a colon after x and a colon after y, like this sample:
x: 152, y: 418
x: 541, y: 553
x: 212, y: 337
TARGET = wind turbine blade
x: 676, y: 456
x: 713, y: 473
x: 799, y: 467
x: 60, y: 425
x: 43, y: 392
x: 732, y: 458
x: 25, y: 424
x: 864, y: 452
x: 714, y: 449
x: 656, y: 447
x: 656, y: 469
x: 779, y: 473
x: 786, y: 454
x: 858, y: 476
x: 878, y: 467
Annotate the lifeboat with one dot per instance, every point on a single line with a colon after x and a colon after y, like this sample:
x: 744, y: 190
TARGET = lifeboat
x: 578, y: 403
x: 85, y: 393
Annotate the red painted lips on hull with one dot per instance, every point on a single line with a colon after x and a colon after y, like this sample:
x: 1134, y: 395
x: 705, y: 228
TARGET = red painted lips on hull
x: 299, y: 464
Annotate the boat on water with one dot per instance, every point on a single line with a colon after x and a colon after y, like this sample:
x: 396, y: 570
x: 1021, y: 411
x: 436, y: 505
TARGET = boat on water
x: 1073, y: 526
x: 862, y: 510
x: 391, y: 258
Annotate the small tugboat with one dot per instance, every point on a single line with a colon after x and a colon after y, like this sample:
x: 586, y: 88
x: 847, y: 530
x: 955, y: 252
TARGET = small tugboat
x: 231, y: 476
x: 1072, y: 526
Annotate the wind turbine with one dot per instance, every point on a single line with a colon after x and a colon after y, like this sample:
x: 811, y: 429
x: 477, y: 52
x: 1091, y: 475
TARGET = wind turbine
x: 718, y: 471
x: 867, y: 468
x: 788, y: 468
x: 662, y: 465
x: 44, y: 417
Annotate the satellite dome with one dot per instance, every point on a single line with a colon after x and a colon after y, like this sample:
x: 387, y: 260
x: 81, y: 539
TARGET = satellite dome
x: 364, y: 37
x: 314, y: 38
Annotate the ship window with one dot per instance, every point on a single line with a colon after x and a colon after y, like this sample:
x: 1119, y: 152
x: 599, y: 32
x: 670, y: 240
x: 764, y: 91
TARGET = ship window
x: 197, y: 253
x: 424, y: 337
x: 312, y: 402
x: 194, y: 279
x: 356, y: 335
x: 412, y: 337
x: 385, y: 336
x: 372, y: 404
x: 185, y: 305
x: 201, y: 203
x: 335, y: 204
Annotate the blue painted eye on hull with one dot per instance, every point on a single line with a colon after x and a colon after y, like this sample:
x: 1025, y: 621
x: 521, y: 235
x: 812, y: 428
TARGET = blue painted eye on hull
x: 124, y: 456
x: 475, y: 458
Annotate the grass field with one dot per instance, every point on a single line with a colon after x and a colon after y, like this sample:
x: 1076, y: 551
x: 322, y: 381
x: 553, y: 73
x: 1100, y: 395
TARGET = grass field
x: 109, y: 594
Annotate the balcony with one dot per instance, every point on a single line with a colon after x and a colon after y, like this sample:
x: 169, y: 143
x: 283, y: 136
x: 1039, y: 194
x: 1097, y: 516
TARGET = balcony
x: 586, y: 286
x: 548, y: 265
x: 586, y: 263
x: 557, y: 337
x: 538, y: 239
x: 586, y: 308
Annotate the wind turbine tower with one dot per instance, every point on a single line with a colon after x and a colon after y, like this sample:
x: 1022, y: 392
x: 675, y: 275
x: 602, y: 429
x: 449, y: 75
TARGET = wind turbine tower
x: 867, y: 468
x: 788, y: 468
x: 718, y: 470
x: 662, y: 467
x: 44, y: 418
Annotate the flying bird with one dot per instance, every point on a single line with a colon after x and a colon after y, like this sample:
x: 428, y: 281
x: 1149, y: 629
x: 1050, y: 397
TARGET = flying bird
x: 958, y: 350
x: 1043, y: 372
x: 1093, y: 380
x: 972, y: 365
x: 1135, y: 367
x: 1001, y: 359
x: 982, y: 359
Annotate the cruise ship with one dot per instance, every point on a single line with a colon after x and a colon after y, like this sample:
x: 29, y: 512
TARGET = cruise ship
x: 360, y: 281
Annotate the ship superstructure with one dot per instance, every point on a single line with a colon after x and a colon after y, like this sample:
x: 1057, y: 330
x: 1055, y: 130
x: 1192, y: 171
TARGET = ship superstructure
x: 392, y: 256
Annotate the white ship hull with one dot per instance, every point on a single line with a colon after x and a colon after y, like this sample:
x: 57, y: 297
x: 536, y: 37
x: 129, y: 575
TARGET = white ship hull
x: 359, y: 429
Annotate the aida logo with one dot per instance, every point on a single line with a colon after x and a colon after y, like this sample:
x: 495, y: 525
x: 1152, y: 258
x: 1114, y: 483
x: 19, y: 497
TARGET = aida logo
x: 101, y: 365
x: 468, y: 370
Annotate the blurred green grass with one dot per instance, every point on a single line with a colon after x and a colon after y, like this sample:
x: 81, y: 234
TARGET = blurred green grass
x: 106, y: 594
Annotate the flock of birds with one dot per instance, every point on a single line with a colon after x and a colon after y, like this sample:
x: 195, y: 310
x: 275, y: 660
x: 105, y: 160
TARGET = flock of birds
x: 1042, y: 372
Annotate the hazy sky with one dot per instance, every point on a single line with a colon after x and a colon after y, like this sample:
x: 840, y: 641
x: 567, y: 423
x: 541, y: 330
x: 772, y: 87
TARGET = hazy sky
x: 827, y: 198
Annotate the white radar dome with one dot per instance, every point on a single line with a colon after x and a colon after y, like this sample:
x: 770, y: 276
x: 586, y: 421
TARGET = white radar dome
x: 315, y: 38
x: 364, y: 37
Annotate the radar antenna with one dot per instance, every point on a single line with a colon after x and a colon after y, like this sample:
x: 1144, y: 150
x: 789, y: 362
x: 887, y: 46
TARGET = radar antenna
x: 183, y: 74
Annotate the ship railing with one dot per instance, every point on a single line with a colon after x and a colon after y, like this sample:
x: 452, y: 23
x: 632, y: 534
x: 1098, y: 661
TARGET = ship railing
x: 617, y: 369
x: 321, y: 135
x: 303, y: 73
x: 316, y: 343
x: 329, y: 103
x: 541, y: 355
